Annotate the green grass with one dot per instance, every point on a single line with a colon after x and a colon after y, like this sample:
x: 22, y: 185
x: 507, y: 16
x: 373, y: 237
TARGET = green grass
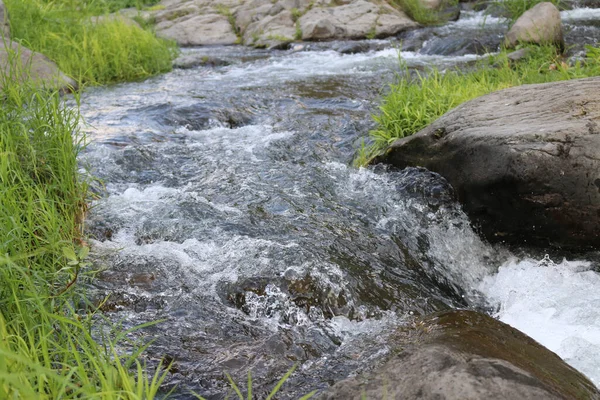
x: 92, y: 53
x: 513, y: 9
x: 420, y: 14
x: 47, y: 347
x: 415, y: 101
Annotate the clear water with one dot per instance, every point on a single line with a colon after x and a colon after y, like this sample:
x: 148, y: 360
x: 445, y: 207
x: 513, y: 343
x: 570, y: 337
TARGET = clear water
x: 227, y: 209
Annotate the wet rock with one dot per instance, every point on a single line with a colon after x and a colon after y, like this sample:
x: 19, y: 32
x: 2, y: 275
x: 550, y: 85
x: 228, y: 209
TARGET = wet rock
x: 199, y: 30
x: 523, y: 161
x: 187, y: 61
x: 354, y: 48
x: 20, y: 63
x: 467, y: 355
x: 540, y: 25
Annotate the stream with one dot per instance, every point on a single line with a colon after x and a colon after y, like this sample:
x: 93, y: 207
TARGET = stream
x: 229, y: 211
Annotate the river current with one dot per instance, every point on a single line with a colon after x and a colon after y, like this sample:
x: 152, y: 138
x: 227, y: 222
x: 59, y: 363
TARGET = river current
x: 229, y: 211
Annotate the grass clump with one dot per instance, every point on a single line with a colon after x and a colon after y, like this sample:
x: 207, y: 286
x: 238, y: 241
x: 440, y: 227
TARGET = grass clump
x: 513, y: 9
x: 47, y: 349
x: 423, y: 15
x: 418, y: 99
x: 91, y: 51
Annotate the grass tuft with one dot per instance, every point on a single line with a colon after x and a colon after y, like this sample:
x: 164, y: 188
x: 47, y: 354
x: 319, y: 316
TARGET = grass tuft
x: 94, y: 52
x: 415, y: 10
x: 49, y: 348
x: 418, y: 99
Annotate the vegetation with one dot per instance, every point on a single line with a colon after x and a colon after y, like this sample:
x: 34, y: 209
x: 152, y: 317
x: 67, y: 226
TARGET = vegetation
x: 94, y: 51
x: 423, y: 15
x: 48, y: 349
x: 513, y: 9
x: 414, y: 101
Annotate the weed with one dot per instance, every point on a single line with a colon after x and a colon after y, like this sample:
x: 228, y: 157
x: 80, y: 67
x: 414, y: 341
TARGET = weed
x: 271, y: 395
x: 296, y: 14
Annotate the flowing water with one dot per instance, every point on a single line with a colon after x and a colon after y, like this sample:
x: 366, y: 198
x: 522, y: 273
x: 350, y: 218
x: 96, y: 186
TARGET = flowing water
x: 228, y: 210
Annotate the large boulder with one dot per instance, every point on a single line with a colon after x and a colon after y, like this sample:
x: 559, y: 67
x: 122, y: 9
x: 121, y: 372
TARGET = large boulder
x: 540, y: 24
x: 21, y: 64
x: 270, y: 23
x: 525, y: 161
x: 458, y: 355
x: 357, y: 20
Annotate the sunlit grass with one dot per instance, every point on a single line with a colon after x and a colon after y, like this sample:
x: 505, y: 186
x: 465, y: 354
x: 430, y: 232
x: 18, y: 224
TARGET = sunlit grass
x: 49, y: 345
x: 416, y: 100
x: 107, y: 50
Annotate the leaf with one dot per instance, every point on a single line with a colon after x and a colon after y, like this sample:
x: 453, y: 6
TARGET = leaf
x: 83, y: 252
x: 69, y: 253
x: 234, y: 386
x: 308, y: 396
x: 281, y: 382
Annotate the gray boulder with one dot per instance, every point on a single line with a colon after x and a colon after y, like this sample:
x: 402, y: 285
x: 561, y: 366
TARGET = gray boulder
x: 525, y: 162
x: 459, y: 355
x: 21, y: 64
x: 540, y: 25
x: 357, y: 20
x: 199, y: 30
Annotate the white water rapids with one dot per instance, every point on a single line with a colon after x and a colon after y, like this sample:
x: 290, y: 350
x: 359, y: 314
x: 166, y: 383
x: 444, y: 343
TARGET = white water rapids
x: 228, y: 208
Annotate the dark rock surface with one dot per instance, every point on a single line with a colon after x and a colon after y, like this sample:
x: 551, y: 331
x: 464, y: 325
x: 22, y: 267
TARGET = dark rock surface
x: 525, y: 161
x: 467, y: 355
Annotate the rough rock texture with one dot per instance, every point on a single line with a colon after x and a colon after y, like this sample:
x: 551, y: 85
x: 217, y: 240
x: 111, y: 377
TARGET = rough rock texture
x: 4, y: 25
x: 525, y: 161
x: 459, y: 355
x: 266, y: 23
x: 271, y: 30
x: 209, y: 29
x: 22, y: 64
x: 541, y: 25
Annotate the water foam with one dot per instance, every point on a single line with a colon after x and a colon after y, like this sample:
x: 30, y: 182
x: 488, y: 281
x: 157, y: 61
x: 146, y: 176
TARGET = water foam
x: 556, y: 304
